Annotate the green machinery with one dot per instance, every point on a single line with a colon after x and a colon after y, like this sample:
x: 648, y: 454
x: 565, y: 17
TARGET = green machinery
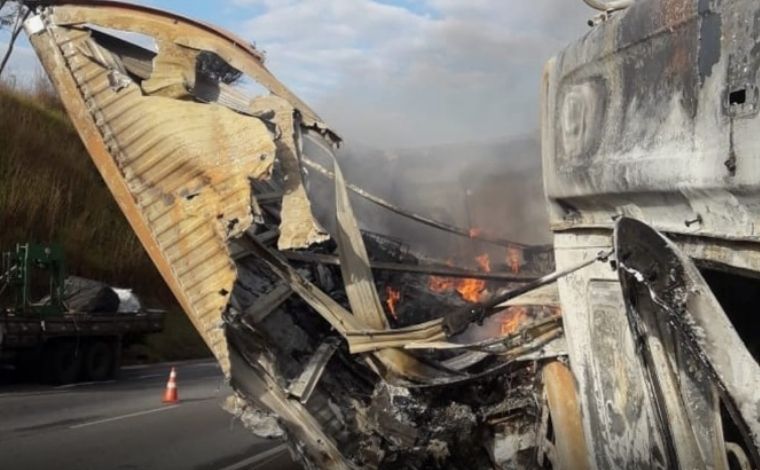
x: 32, y: 279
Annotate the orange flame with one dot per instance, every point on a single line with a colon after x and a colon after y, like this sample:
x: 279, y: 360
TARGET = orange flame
x: 471, y: 289
x: 484, y: 262
x: 392, y: 298
x: 512, y: 320
x: 513, y: 259
x: 440, y: 284
x: 475, y: 232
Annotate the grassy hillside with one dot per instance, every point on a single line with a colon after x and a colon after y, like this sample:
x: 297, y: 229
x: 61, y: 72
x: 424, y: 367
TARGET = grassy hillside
x: 50, y: 191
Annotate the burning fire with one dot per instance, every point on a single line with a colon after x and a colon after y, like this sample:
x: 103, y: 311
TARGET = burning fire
x: 513, y: 259
x: 470, y: 290
x: 484, y: 262
x: 439, y: 284
x: 391, y: 300
x: 475, y: 232
x: 512, y: 319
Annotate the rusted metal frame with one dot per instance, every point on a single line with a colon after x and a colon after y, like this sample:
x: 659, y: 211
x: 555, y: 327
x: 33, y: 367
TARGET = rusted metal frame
x: 303, y: 386
x: 168, y: 27
x: 409, y: 268
x: 77, y: 107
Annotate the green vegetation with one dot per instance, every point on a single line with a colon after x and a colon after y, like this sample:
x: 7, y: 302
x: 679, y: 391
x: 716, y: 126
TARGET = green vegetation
x: 50, y: 191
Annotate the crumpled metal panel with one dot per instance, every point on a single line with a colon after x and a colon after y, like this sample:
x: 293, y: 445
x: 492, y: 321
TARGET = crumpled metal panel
x: 187, y: 174
x: 298, y: 227
x: 185, y: 168
x: 181, y: 172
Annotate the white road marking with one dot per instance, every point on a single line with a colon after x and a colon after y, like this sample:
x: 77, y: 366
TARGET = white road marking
x: 127, y: 416
x: 256, y: 459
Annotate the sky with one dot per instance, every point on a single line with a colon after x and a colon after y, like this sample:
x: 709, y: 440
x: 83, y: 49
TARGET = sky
x: 399, y: 73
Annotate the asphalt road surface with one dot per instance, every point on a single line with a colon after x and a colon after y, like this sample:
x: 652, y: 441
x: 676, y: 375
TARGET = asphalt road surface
x: 122, y: 424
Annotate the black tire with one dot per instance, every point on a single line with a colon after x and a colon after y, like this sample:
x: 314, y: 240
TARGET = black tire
x: 99, y: 361
x: 63, y: 362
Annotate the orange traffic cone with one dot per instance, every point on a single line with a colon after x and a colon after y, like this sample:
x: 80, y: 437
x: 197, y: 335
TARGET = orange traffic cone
x: 171, y: 395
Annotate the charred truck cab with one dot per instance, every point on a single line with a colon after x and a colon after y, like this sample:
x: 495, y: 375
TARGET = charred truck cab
x: 649, y: 141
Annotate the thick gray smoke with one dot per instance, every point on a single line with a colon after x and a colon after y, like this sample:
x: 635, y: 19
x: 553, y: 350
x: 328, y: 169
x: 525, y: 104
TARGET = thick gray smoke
x: 453, y: 84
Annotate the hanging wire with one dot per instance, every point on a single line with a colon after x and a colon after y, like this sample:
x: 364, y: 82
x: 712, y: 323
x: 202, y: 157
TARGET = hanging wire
x: 411, y: 215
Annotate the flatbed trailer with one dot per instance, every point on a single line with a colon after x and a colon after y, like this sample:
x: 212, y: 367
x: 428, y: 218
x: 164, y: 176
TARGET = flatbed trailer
x: 73, y: 346
x: 43, y: 338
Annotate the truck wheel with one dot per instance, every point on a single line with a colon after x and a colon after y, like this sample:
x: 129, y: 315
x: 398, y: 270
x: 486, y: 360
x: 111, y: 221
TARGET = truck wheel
x: 99, y: 361
x: 62, y: 362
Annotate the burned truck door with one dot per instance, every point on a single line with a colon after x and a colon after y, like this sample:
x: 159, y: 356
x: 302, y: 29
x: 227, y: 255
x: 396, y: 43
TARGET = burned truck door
x: 695, y: 361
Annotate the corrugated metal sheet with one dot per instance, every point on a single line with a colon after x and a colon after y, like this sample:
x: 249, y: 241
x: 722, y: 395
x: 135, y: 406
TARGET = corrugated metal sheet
x: 186, y: 166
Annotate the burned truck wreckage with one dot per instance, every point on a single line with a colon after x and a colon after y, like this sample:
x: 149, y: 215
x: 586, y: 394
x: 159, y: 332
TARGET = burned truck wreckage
x: 635, y: 350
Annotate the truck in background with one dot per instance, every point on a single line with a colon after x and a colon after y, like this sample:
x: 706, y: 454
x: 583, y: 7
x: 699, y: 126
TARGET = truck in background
x: 63, y: 329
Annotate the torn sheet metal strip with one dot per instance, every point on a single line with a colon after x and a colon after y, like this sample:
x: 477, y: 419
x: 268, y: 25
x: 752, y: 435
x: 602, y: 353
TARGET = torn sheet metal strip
x: 303, y: 386
x: 354, y: 260
x: 298, y: 227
